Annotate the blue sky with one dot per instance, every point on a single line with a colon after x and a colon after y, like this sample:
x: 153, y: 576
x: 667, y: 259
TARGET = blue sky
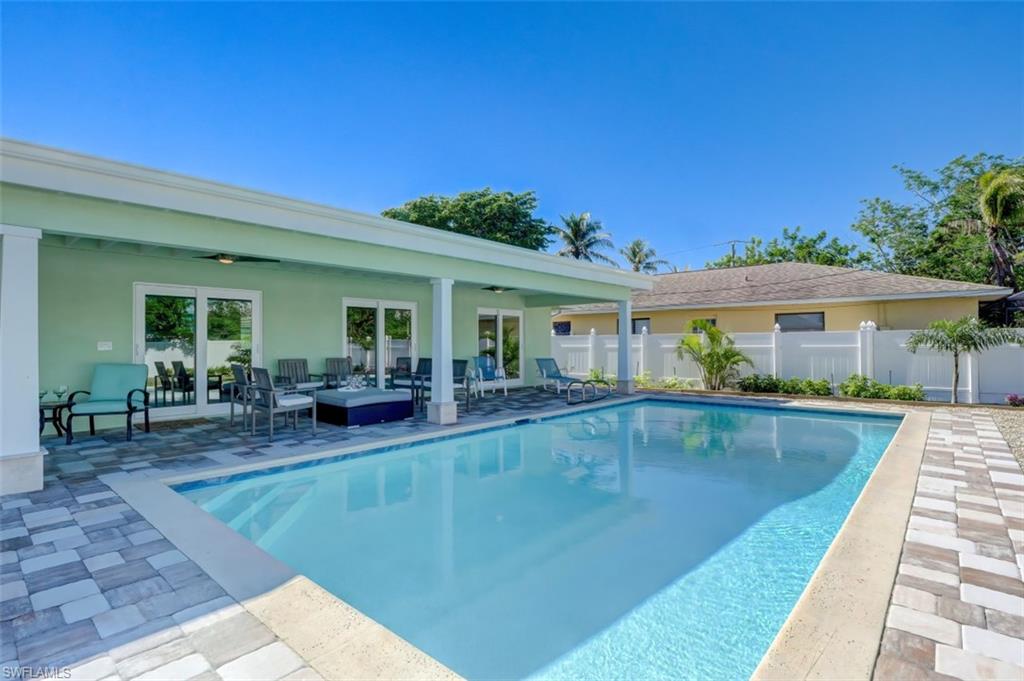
x: 684, y: 124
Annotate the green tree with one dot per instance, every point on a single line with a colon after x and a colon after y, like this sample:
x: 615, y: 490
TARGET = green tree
x: 583, y: 239
x: 967, y: 334
x: 641, y: 257
x: 941, y: 232
x: 499, y: 216
x: 171, y: 320
x: 1001, y: 204
x: 794, y: 246
x: 715, y: 354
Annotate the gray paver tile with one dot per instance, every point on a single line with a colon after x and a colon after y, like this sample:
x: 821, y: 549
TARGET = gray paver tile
x: 84, y: 608
x: 117, y: 620
x: 63, y: 594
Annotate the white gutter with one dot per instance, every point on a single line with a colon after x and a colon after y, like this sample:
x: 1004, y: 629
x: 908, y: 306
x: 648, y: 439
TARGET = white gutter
x: 989, y: 293
x: 58, y: 170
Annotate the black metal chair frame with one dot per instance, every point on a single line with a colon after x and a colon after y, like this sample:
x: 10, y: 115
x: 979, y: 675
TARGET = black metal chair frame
x: 130, y: 410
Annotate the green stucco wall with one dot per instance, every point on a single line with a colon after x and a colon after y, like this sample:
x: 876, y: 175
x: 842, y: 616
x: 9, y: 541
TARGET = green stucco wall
x: 85, y: 296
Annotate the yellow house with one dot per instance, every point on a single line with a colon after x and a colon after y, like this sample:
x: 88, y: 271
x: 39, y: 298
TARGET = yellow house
x: 796, y: 296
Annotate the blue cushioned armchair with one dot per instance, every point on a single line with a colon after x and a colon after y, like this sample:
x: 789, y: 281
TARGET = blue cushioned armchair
x: 115, y: 389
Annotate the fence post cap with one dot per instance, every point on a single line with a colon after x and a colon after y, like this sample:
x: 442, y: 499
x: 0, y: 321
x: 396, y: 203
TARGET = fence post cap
x: 643, y: 330
x: 872, y: 326
x: 553, y: 332
x: 593, y: 332
x: 863, y: 326
x: 777, y: 329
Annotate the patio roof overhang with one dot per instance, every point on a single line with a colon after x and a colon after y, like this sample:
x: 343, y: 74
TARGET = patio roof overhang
x: 114, y: 204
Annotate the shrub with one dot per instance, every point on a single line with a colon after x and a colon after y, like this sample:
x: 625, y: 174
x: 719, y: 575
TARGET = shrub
x: 645, y: 381
x: 759, y: 383
x: 858, y: 385
x: 762, y: 383
x: 598, y: 375
x: 1015, y: 400
x: 676, y: 383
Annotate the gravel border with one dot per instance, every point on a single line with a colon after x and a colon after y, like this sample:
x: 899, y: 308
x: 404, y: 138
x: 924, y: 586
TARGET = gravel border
x: 1011, y: 424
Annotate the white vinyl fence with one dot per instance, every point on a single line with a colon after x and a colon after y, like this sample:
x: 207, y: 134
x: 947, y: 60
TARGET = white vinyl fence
x: 832, y: 355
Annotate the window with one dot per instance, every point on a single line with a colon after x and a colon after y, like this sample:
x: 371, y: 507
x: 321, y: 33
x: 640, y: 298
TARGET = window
x: 562, y: 328
x: 711, y: 320
x: 801, y: 321
x: 640, y: 324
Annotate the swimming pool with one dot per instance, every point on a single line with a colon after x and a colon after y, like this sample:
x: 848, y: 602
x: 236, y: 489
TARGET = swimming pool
x: 646, y: 540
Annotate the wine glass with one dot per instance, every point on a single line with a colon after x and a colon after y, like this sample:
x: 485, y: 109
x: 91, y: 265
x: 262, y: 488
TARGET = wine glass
x: 42, y: 394
x: 60, y: 391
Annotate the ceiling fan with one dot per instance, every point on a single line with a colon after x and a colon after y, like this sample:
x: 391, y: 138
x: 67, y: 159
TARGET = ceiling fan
x: 228, y: 259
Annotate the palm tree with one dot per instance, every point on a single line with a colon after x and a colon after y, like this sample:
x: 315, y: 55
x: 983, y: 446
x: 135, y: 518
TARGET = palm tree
x: 715, y: 354
x: 583, y: 238
x: 1002, y: 204
x: 967, y: 334
x: 641, y: 257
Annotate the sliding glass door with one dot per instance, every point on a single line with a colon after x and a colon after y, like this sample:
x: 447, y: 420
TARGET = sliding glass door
x: 378, y: 335
x: 500, y: 335
x: 188, y: 337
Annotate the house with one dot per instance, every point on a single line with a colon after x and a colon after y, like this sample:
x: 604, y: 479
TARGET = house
x: 105, y: 261
x: 796, y: 296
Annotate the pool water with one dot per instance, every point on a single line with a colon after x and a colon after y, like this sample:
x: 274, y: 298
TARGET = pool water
x: 641, y: 541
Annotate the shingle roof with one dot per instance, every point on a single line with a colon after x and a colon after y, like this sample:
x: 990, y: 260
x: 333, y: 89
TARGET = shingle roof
x: 789, y: 282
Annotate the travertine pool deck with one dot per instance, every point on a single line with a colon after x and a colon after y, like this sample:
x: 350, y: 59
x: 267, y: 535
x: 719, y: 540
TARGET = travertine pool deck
x: 87, y: 583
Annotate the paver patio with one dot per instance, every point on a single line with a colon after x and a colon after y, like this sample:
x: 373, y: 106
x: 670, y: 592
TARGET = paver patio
x: 87, y: 583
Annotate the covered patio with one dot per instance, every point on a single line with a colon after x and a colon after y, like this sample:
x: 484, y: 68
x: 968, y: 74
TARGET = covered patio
x: 105, y: 262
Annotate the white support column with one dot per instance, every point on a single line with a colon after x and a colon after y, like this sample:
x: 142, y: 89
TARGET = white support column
x: 591, y: 351
x: 642, y: 364
x: 21, y: 458
x: 441, y: 408
x: 869, y: 349
x: 777, y: 351
x: 624, y: 375
x: 971, y: 363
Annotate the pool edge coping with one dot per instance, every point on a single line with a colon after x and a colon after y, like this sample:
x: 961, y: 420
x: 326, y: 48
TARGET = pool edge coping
x: 835, y: 629
x: 265, y: 586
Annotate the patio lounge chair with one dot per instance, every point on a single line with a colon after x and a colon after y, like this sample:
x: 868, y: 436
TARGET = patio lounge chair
x: 337, y: 371
x: 239, y: 393
x: 162, y: 381
x: 186, y: 384
x: 487, y: 374
x: 402, y: 373
x: 274, y: 401
x: 549, y: 371
x: 461, y: 378
x: 115, y: 389
x: 295, y: 372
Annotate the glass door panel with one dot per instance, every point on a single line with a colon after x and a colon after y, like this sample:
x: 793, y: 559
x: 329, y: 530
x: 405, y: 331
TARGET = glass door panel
x: 170, y: 349
x: 487, y: 335
x: 511, y: 359
x: 229, y: 335
x: 361, y: 328
x: 397, y: 337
